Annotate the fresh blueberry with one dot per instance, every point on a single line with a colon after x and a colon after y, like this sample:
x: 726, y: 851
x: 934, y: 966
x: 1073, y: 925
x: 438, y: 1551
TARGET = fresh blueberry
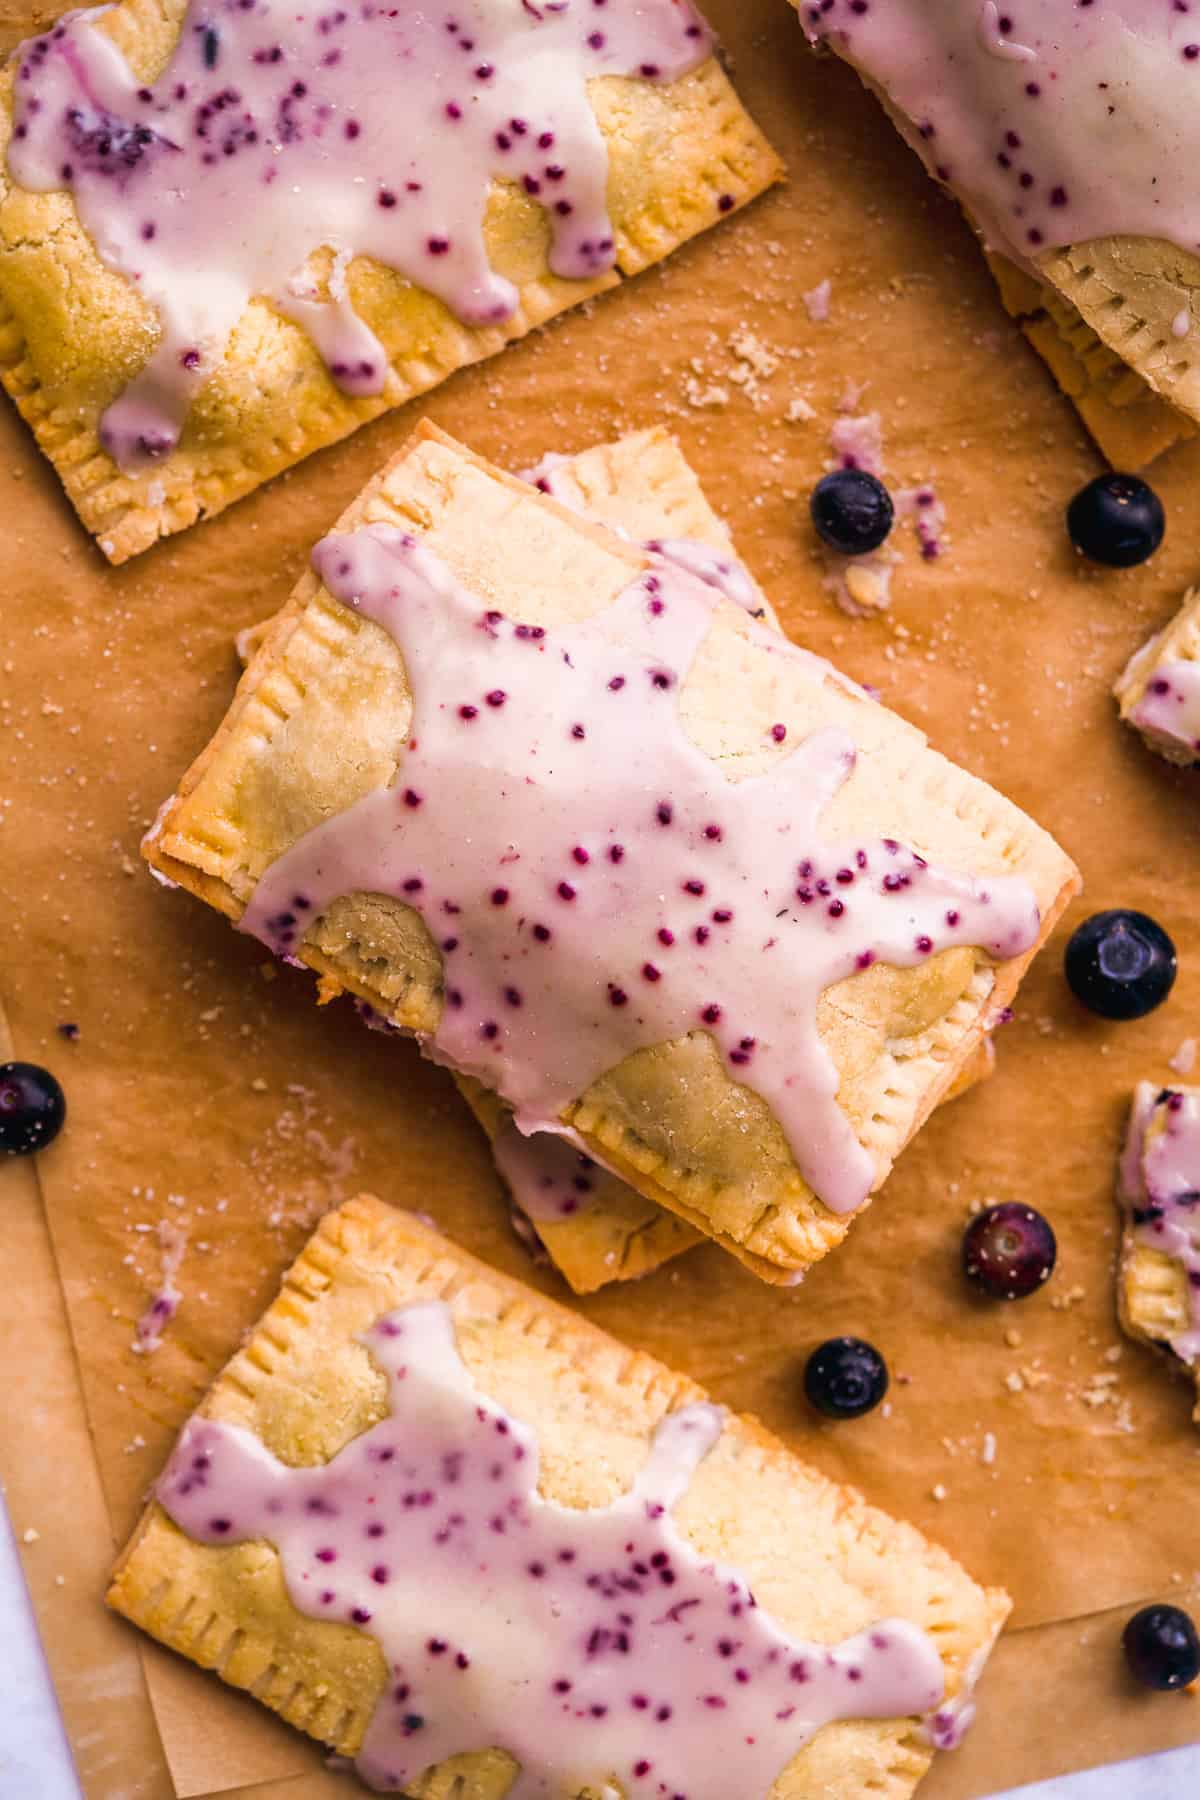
x: 32, y: 1108
x: 1008, y: 1250
x: 1120, y: 964
x: 844, y: 1378
x: 852, y: 511
x: 1117, y: 520
x: 1162, y: 1647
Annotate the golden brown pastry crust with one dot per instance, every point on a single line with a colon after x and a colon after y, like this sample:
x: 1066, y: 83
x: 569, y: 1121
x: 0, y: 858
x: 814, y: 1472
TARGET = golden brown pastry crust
x: 1131, y: 423
x: 669, y: 1119
x: 641, y: 486
x: 72, y: 332
x: 818, y: 1557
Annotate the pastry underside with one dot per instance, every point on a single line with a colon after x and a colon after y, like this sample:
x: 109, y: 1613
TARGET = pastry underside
x: 620, y: 1235
x: 1131, y: 421
x: 320, y: 717
x: 817, y: 1556
x: 1178, y: 641
x: 640, y: 486
x: 1153, y: 1298
x: 73, y: 332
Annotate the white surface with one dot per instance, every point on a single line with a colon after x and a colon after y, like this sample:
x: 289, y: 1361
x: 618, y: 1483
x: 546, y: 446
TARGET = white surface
x: 1172, y: 1776
x: 35, y: 1763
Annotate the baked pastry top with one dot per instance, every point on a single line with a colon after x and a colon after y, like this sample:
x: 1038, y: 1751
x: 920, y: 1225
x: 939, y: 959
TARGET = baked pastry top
x: 595, y: 1227
x: 863, y: 1028
x: 231, y: 235
x: 1060, y: 128
x: 1158, y: 690
x: 1158, y: 1189
x: 304, y: 1550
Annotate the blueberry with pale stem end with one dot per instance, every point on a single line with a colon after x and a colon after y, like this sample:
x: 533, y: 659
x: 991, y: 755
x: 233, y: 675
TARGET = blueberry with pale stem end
x: 1120, y: 964
x: 851, y: 511
x: 1117, y: 520
x: 1162, y: 1648
x: 32, y: 1108
x: 845, y: 1377
x: 1008, y: 1251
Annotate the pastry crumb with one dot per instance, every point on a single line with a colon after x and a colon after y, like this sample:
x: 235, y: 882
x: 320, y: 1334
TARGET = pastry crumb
x: 816, y: 302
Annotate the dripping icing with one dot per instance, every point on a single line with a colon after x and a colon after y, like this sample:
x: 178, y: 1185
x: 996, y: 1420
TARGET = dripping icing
x: 367, y: 130
x: 590, y: 905
x: 592, y: 1646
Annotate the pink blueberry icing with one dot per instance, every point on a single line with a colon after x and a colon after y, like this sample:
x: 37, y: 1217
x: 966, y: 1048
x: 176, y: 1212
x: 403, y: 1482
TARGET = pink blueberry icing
x: 164, y: 1303
x: 1170, y: 705
x: 718, y: 569
x: 374, y: 130
x: 1055, y: 121
x: 1160, y: 1189
x: 594, y: 881
x: 548, y: 1176
x: 594, y: 1646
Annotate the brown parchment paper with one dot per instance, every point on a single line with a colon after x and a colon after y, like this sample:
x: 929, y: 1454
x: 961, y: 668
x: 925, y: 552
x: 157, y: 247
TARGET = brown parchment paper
x: 207, y: 1089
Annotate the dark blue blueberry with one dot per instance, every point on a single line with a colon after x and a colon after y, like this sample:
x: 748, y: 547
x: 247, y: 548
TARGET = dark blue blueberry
x: 845, y: 1377
x: 1009, y: 1250
x: 1120, y: 964
x: 32, y: 1108
x: 1116, y: 520
x: 852, y: 511
x: 1162, y: 1648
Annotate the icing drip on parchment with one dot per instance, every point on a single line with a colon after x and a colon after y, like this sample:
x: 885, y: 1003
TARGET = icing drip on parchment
x: 593, y: 1646
x: 367, y: 129
x: 1170, y: 704
x: 594, y: 882
x: 1160, y: 1190
x: 1056, y: 121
